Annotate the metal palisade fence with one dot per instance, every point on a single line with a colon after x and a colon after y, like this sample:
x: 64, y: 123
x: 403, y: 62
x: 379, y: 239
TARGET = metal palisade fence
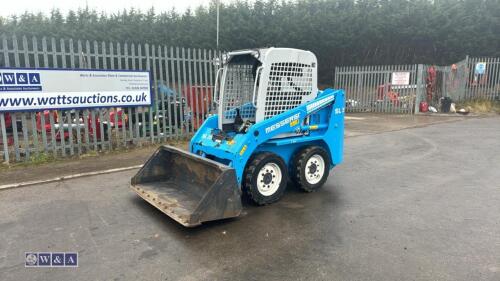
x: 485, y: 85
x: 182, y: 81
x: 401, y: 88
x: 370, y: 88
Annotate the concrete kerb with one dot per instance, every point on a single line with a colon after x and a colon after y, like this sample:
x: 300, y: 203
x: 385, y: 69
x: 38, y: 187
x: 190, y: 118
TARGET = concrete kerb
x: 73, y: 176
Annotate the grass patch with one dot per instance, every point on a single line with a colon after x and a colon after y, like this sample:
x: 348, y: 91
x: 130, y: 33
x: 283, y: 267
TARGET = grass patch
x: 480, y: 106
x: 34, y: 160
x: 90, y: 153
x: 41, y: 158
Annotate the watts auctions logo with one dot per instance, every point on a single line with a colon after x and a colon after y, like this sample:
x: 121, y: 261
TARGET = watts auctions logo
x: 51, y: 259
x: 19, y: 81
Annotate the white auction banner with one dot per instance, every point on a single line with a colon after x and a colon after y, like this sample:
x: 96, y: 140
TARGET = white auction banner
x: 23, y: 89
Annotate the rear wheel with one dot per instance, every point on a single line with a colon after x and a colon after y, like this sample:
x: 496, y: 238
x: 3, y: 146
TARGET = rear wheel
x: 311, y: 168
x: 265, y: 178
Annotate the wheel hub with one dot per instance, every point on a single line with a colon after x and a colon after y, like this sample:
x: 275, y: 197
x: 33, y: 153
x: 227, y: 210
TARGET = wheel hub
x: 315, y: 169
x: 269, y: 179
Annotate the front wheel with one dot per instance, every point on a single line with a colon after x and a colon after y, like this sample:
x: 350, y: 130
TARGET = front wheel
x: 311, y: 168
x: 265, y: 178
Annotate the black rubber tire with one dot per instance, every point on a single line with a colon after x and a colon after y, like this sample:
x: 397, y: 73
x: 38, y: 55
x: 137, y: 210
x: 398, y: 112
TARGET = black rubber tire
x: 299, y: 167
x: 250, y: 179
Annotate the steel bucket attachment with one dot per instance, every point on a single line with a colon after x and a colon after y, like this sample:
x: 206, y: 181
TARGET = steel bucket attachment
x: 188, y: 188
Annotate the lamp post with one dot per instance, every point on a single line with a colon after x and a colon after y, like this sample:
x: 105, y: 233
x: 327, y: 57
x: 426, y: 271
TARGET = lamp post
x: 218, y: 4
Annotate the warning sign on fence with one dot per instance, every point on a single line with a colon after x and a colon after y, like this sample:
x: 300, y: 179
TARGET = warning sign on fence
x: 38, y: 89
x: 480, y: 68
x: 400, y: 78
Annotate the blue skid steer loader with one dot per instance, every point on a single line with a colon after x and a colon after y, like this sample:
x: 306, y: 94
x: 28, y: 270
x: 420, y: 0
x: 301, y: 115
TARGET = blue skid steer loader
x: 272, y: 126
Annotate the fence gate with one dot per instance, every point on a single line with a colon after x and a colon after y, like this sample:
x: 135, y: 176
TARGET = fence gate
x: 449, y: 81
x: 388, y: 88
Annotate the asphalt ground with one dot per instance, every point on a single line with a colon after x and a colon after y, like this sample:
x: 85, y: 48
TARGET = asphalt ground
x: 411, y: 204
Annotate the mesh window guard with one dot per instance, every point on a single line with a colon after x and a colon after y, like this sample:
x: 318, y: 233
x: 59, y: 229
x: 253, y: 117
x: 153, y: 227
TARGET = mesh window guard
x: 238, y: 90
x: 288, y: 83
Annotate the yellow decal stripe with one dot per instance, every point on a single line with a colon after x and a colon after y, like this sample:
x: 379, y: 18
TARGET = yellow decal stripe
x: 243, y: 149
